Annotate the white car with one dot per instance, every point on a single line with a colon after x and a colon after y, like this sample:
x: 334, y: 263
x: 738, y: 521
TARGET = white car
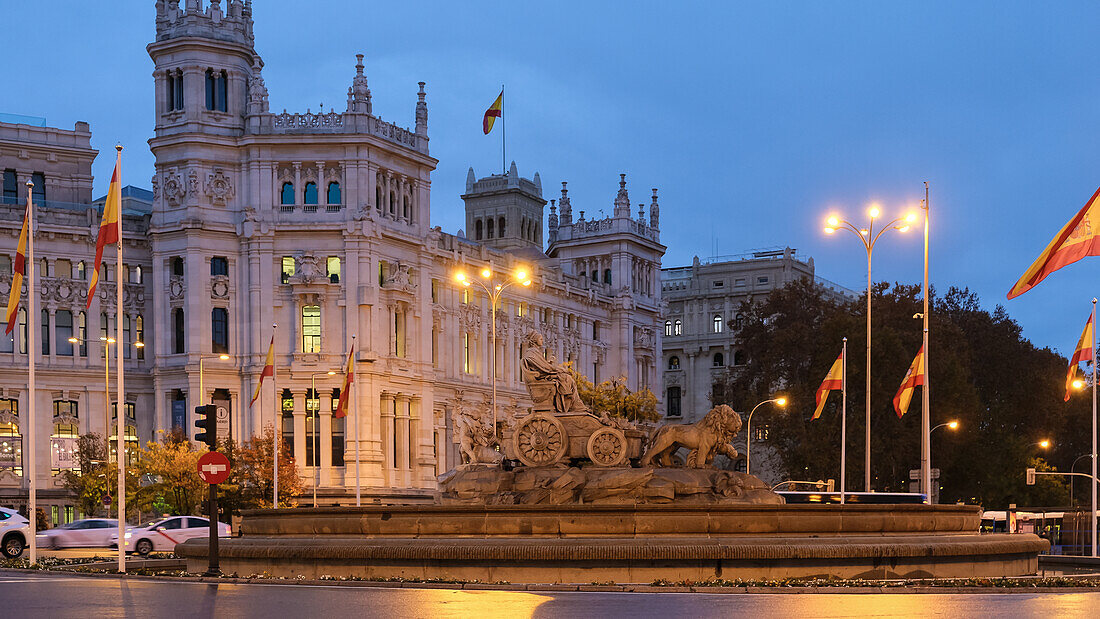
x: 14, y: 532
x: 163, y: 534
x: 94, y: 532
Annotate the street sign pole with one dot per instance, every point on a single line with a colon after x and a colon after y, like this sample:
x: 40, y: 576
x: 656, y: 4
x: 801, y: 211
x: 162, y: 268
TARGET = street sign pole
x: 213, y: 569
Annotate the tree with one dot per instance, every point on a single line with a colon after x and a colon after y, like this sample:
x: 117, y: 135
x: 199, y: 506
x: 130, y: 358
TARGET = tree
x: 171, y: 467
x: 1005, y: 392
x: 89, y: 484
x: 613, y: 397
x: 251, y: 483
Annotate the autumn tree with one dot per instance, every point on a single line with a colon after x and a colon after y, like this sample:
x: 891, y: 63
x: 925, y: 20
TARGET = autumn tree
x: 251, y: 482
x: 613, y: 397
x: 171, y: 468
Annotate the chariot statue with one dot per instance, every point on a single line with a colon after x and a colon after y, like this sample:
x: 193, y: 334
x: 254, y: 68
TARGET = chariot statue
x: 561, y: 428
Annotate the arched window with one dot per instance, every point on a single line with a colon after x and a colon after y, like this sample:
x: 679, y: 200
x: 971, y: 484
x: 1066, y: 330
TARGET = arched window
x: 717, y: 323
x: 477, y: 230
x: 674, y: 363
x: 719, y: 360
x: 333, y: 193
x: 678, y: 328
x: 500, y: 227
x: 668, y: 327
x: 489, y: 228
x: 673, y: 401
x: 739, y: 321
x: 310, y: 196
x: 287, y: 196
x: 739, y: 358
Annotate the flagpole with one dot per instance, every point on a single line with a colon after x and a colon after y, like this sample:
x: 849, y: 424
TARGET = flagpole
x: 275, y: 425
x: 1092, y: 515
x: 32, y: 491
x: 925, y: 417
x: 119, y: 391
x: 503, y: 127
x: 352, y: 402
x: 843, y: 414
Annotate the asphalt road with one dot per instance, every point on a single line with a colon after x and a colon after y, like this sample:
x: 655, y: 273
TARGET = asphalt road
x: 51, y: 595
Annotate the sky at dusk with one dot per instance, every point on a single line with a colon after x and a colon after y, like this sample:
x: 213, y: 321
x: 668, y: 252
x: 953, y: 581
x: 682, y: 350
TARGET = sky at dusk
x: 754, y: 121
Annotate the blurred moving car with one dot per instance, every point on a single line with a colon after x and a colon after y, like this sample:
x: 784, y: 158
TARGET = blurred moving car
x: 95, y: 532
x: 14, y: 532
x: 164, y: 533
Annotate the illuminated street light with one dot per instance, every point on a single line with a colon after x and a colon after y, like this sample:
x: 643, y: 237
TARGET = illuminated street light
x: 868, y: 237
x: 780, y: 402
x: 494, y: 290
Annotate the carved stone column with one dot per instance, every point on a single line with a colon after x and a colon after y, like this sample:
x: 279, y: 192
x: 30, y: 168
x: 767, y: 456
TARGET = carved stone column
x: 325, y: 421
x: 300, y: 430
x: 404, y: 462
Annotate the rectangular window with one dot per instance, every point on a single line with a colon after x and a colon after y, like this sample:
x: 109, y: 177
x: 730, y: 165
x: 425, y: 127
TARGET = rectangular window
x: 82, y: 333
x: 673, y: 401
x: 5, y: 265
x: 466, y: 353
x: 80, y: 272
x: 337, y: 432
x: 739, y: 282
x: 313, y: 403
x: 435, y: 348
x: 104, y: 330
x: 127, y: 339
x: 311, y: 328
x: 140, y: 343
x: 288, y: 268
x: 435, y: 291
x: 179, y: 344
x: 45, y: 333
x: 719, y: 283
x: 11, y: 442
x: 399, y: 333
x: 39, y: 191
x: 381, y: 273
x: 66, y: 408
x: 465, y: 296
x: 219, y: 265
x: 333, y: 269
x: 219, y: 329
x: 63, y: 326
x: 22, y: 327
x: 7, y: 341
x: 11, y: 187
x: 762, y: 280
x: 62, y: 268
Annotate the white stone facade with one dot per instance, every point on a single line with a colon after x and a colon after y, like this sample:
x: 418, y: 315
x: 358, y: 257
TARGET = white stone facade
x: 320, y: 223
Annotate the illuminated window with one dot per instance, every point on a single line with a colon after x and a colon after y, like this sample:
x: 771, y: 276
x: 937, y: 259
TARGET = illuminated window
x: 668, y: 327
x: 287, y: 422
x: 288, y: 268
x: 11, y: 443
x: 466, y: 353
x: 674, y: 363
x: 337, y: 432
x: 717, y: 324
x: 311, y: 328
x: 678, y: 328
x: 332, y: 265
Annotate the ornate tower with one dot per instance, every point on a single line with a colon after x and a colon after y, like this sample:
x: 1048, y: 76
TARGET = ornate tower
x: 504, y: 210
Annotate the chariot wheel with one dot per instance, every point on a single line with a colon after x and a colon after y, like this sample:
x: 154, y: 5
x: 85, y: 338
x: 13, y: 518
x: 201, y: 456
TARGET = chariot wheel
x: 607, y: 447
x: 540, y: 440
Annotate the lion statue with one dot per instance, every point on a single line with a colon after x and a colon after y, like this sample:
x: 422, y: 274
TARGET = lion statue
x: 705, y: 438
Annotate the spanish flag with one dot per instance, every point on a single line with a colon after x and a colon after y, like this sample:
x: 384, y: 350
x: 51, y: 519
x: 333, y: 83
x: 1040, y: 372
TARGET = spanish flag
x: 1083, y: 352
x: 268, y: 371
x: 913, y: 377
x: 349, y: 378
x: 109, y: 226
x: 833, y: 380
x: 1077, y: 239
x: 493, y: 113
x: 19, y: 269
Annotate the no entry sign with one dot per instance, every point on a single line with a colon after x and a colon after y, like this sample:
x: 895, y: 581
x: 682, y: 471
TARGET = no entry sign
x: 213, y: 467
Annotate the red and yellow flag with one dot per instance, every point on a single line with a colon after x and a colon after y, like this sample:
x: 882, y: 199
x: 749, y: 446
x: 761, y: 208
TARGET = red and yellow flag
x: 1077, y: 239
x: 914, y: 377
x: 19, y: 269
x: 349, y: 378
x: 833, y: 380
x: 1083, y: 352
x: 268, y: 371
x: 493, y: 113
x: 108, y: 227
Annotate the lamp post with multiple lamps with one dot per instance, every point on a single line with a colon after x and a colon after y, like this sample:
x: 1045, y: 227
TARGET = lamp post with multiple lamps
x: 781, y: 402
x: 494, y: 290
x: 869, y: 237
x: 107, y: 342
x: 317, y: 432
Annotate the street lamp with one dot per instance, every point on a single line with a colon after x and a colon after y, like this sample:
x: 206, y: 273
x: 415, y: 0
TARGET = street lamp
x: 1044, y: 444
x: 494, y: 290
x: 316, y: 432
x: 952, y: 425
x: 781, y: 402
x: 202, y: 391
x: 869, y: 237
x: 1075, y: 461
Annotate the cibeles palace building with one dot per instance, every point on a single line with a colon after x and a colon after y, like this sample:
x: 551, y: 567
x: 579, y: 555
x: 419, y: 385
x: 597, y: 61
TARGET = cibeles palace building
x: 319, y: 223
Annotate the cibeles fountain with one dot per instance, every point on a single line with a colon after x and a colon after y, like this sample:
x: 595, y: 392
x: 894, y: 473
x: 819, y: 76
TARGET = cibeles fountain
x: 566, y: 494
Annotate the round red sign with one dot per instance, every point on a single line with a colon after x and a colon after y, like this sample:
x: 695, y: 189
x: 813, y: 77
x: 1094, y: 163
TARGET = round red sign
x: 213, y: 467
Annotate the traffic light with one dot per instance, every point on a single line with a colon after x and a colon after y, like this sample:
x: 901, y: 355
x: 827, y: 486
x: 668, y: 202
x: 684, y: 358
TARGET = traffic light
x: 1031, y: 477
x: 207, y: 421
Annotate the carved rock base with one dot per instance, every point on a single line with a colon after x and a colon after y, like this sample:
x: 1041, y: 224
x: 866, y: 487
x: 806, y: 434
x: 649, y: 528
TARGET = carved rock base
x: 488, y: 485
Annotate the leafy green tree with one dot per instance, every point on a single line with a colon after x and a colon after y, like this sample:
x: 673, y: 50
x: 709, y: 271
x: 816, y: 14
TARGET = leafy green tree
x: 613, y: 397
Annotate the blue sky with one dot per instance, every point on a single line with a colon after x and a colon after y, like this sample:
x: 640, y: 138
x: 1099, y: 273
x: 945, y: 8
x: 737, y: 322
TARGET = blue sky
x: 754, y: 120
